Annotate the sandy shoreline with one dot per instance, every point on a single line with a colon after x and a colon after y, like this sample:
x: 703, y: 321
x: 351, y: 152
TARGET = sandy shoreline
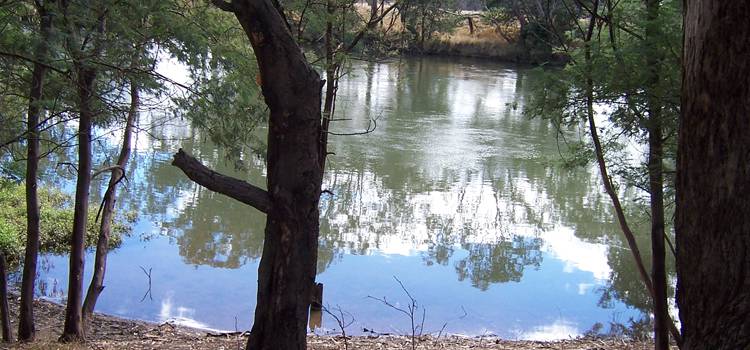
x: 110, y: 332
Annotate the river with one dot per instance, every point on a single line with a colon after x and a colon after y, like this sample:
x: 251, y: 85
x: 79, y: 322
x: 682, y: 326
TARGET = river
x: 455, y: 194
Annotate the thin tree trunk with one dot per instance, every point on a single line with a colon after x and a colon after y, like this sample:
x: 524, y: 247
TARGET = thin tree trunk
x: 73, y: 327
x: 330, y: 94
x: 609, y: 187
x: 658, y: 267
x: 4, y: 308
x: 26, y: 330
x: 656, y: 180
x: 110, y: 196
x: 331, y: 82
x: 713, y: 191
x: 85, y: 74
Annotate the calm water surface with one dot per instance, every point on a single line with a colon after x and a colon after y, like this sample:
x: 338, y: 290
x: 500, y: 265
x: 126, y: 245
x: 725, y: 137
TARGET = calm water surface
x: 455, y: 194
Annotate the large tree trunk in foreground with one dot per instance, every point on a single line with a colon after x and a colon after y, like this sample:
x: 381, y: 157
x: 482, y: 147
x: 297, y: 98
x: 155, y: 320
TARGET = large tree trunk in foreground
x: 73, y: 328
x: 291, y: 89
x: 26, y: 313
x: 713, y: 177
x: 108, y: 209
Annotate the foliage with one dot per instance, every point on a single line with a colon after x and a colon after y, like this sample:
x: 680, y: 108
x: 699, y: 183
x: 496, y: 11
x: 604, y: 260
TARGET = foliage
x: 223, y: 98
x: 616, y: 72
x: 609, y: 83
x: 56, y: 217
x: 422, y: 18
x: 540, y: 24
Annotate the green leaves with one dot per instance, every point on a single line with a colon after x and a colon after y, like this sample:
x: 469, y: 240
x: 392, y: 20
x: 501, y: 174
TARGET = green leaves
x: 56, y: 219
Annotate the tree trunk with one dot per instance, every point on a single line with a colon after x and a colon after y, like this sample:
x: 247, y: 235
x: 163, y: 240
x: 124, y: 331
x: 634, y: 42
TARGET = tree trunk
x: 656, y: 179
x: 26, y: 329
x: 713, y: 191
x: 658, y: 267
x: 110, y: 196
x: 292, y: 91
x: 85, y: 78
x: 290, y: 249
x: 73, y: 328
x: 331, y: 82
x: 4, y: 309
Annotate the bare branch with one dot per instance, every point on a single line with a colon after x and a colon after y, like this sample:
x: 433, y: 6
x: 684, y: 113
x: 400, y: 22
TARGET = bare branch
x: 106, y: 169
x: 370, y: 128
x: 242, y: 191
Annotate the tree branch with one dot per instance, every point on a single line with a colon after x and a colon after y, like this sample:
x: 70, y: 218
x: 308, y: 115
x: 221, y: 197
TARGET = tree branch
x: 234, y: 188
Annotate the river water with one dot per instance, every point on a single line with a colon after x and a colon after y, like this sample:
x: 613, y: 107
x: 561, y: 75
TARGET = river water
x: 454, y: 193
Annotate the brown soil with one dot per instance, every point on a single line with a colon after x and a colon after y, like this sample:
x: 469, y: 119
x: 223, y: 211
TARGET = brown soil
x: 116, y: 333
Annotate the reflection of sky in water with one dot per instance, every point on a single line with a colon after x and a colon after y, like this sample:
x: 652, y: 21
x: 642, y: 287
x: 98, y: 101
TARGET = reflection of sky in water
x: 452, y: 193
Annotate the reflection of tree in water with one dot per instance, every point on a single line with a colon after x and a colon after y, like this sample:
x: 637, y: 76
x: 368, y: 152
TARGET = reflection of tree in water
x: 499, y: 262
x: 218, y: 232
x: 394, y: 189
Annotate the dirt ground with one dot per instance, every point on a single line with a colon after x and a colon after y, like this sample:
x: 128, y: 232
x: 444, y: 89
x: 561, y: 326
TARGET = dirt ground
x: 116, y: 333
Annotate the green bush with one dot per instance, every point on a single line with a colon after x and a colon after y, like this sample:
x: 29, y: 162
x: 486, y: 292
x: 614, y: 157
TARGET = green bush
x: 56, y: 221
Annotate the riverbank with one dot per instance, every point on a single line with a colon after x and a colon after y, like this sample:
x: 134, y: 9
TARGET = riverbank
x: 110, y: 332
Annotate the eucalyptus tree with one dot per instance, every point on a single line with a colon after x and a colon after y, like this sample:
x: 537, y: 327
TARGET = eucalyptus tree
x: 291, y: 89
x: 538, y: 26
x: 422, y: 18
x: 84, y: 27
x: 26, y: 329
x: 713, y: 192
x: 25, y: 60
x: 624, y: 66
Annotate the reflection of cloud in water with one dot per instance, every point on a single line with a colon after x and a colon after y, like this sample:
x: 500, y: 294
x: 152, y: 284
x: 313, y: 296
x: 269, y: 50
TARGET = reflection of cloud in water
x: 577, y: 254
x: 179, y: 315
x: 583, y: 288
x: 560, y: 329
x: 468, y: 211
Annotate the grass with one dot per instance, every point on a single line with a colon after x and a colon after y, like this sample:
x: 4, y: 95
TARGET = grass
x: 484, y: 42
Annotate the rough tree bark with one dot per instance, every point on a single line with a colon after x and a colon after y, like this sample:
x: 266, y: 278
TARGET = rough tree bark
x: 26, y: 329
x: 108, y: 208
x: 713, y: 167
x: 292, y: 91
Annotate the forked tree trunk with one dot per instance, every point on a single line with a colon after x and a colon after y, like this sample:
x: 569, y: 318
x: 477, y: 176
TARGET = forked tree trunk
x: 26, y: 329
x: 713, y: 171
x: 292, y: 91
x: 108, y: 209
x: 287, y: 270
